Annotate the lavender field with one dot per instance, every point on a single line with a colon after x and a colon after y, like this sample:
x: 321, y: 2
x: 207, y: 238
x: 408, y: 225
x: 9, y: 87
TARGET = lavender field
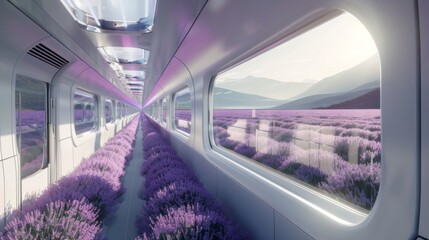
x: 182, y: 120
x: 336, y: 151
x: 31, y: 136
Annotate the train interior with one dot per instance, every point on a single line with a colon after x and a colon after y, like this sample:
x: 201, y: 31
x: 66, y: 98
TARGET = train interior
x: 214, y: 119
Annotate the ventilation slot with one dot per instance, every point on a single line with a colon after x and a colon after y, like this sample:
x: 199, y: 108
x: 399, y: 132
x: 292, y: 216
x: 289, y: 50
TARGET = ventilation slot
x: 48, y: 56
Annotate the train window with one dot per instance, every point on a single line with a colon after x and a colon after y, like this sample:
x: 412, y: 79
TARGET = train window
x: 155, y: 110
x: 108, y: 110
x: 159, y: 106
x: 31, y: 125
x: 164, y: 111
x: 113, y: 15
x: 85, y: 112
x: 309, y: 109
x: 182, y: 110
x: 151, y: 110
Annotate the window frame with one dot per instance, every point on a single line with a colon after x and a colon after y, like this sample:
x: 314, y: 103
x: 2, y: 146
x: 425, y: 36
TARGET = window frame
x: 285, y: 188
x: 119, y: 110
x: 173, y: 117
x: 18, y: 130
x: 96, y: 111
x: 164, y: 103
x: 112, y: 113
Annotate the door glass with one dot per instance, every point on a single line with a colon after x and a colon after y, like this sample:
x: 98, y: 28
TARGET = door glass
x: 31, y: 124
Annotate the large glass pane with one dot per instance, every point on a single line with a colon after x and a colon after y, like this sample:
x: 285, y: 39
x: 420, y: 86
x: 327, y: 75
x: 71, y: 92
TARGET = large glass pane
x: 120, y: 15
x: 85, y: 112
x: 182, y: 110
x: 310, y: 109
x: 31, y: 125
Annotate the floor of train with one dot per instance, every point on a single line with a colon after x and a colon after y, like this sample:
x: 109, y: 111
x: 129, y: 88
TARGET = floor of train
x: 123, y: 225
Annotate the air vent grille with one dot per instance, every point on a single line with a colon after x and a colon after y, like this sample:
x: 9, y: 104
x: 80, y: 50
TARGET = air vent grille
x: 48, y: 56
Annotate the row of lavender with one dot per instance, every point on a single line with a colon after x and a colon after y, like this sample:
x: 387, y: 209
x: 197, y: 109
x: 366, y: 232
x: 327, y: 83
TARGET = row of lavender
x: 177, y: 205
x: 77, y: 205
x: 338, y: 151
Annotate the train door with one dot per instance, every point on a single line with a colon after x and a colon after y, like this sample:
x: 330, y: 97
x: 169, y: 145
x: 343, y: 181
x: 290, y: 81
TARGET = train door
x: 31, y: 104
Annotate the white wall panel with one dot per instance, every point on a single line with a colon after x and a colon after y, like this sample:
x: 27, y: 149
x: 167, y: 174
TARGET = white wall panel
x: 255, y: 215
x: 284, y: 229
x: 65, y: 157
x: 7, y: 106
x: 64, y: 111
x: 2, y: 196
x: 35, y: 183
x: 10, y: 171
x: 107, y: 133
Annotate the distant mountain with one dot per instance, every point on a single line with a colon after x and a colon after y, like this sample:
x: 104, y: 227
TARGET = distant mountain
x: 326, y: 100
x: 322, y: 100
x: 370, y: 100
x: 367, y: 86
x: 265, y: 87
x: 308, y: 81
x: 224, y: 98
x: 367, y: 72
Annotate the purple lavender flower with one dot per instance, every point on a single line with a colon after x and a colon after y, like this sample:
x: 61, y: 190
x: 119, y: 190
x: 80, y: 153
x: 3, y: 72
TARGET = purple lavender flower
x: 189, y: 222
x: 56, y: 220
x: 356, y: 183
x: 245, y: 150
x: 177, y: 206
x: 163, y: 178
x: 227, y: 143
x: 273, y: 161
x: 158, y: 150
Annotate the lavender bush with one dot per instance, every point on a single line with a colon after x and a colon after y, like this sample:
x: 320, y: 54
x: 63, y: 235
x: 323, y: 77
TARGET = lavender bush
x: 56, y: 220
x: 156, y: 151
x: 274, y: 161
x: 177, y: 206
x: 345, y: 179
x: 76, y: 205
x: 189, y: 222
x: 245, y: 150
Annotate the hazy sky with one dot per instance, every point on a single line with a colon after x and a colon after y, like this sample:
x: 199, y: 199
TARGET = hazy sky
x: 332, y: 47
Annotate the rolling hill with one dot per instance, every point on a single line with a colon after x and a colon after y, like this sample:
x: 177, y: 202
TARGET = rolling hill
x: 228, y: 99
x: 370, y: 100
x: 367, y: 72
x: 265, y: 87
x: 326, y: 100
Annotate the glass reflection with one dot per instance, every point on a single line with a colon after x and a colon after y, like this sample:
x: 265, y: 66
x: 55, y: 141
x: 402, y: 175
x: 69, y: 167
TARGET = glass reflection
x: 182, y: 110
x: 85, y: 112
x: 31, y: 125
